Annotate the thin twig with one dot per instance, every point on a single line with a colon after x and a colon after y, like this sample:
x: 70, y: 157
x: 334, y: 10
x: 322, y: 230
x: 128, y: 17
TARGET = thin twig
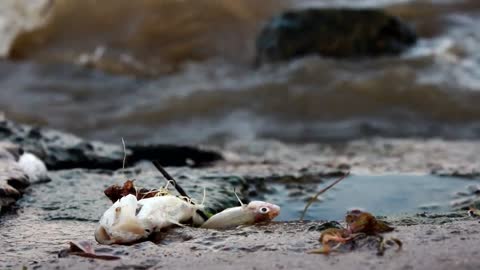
x: 238, y: 198
x: 125, y: 160
x: 124, y: 154
x: 204, y: 195
x: 314, y: 198
x: 165, y: 174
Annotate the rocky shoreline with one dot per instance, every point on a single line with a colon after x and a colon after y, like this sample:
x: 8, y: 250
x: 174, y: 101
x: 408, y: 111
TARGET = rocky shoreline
x: 63, y: 151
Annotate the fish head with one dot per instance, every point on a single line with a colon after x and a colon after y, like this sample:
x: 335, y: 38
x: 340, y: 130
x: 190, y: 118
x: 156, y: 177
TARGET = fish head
x: 263, y: 211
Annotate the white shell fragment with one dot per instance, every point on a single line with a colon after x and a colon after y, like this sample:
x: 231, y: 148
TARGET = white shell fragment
x: 33, y: 167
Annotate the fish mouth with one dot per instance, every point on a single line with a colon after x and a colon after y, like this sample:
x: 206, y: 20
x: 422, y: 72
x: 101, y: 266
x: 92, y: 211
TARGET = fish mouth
x: 274, y: 212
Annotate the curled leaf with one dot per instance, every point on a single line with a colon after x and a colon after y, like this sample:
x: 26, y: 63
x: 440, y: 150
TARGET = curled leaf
x: 85, y: 249
x: 473, y: 212
x: 115, y: 192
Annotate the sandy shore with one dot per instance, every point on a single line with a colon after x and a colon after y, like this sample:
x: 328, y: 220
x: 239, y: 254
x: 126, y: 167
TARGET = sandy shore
x: 33, y: 235
x: 452, y: 245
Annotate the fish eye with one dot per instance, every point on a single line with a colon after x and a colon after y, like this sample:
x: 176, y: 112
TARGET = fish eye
x: 264, y: 210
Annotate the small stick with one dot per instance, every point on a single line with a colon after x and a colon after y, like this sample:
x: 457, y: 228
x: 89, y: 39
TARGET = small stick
x: 124, y: 154
x: 167, y: 176
x: 180, y: 190
x: 320, y: 192
x: 240, y: 201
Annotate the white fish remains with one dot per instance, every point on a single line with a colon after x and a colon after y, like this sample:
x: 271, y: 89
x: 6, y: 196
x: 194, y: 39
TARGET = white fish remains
x: 254, y: 212
x: 129, y: 220
x: 121, y: 224
x: 163, y: 211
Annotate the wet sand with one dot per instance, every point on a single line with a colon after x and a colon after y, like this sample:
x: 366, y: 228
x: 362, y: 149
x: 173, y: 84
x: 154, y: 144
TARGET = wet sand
x: 283, y: 246
x: 33, y: 235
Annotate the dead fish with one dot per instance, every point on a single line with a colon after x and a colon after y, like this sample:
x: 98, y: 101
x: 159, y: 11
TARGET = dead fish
x: 254, y: 212
x: 119, y: 224
x: 160, y: 212
x: 129, y: 220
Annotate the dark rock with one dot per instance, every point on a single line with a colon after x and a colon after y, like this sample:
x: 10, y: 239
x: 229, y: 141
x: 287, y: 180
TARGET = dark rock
x: 333, y: 32
x: 61, y: 150
x: 173, y: 155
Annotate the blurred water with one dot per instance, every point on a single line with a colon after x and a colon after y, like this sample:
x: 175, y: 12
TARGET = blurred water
x: 166, y: 71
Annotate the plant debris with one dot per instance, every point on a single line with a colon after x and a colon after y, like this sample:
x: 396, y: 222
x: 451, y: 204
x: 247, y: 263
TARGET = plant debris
x: 338, y: 235
x: 138, y: 213
x: 85, y: 249
x: 116, y: 192
x: 314, y: 198
x: 364, y: 222
x: 360, y: 225
x: 474, y: 212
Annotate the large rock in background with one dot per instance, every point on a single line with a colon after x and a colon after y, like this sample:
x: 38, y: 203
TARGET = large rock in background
x: 61, y: 150
x: 334, y: 33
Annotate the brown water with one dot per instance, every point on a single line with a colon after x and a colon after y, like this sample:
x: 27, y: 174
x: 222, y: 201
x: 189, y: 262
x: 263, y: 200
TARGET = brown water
x: 148, y: 37
x: 181, y: 71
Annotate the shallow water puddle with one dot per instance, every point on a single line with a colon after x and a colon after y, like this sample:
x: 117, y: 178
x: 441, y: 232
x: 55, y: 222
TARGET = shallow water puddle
x: 382, y: 195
